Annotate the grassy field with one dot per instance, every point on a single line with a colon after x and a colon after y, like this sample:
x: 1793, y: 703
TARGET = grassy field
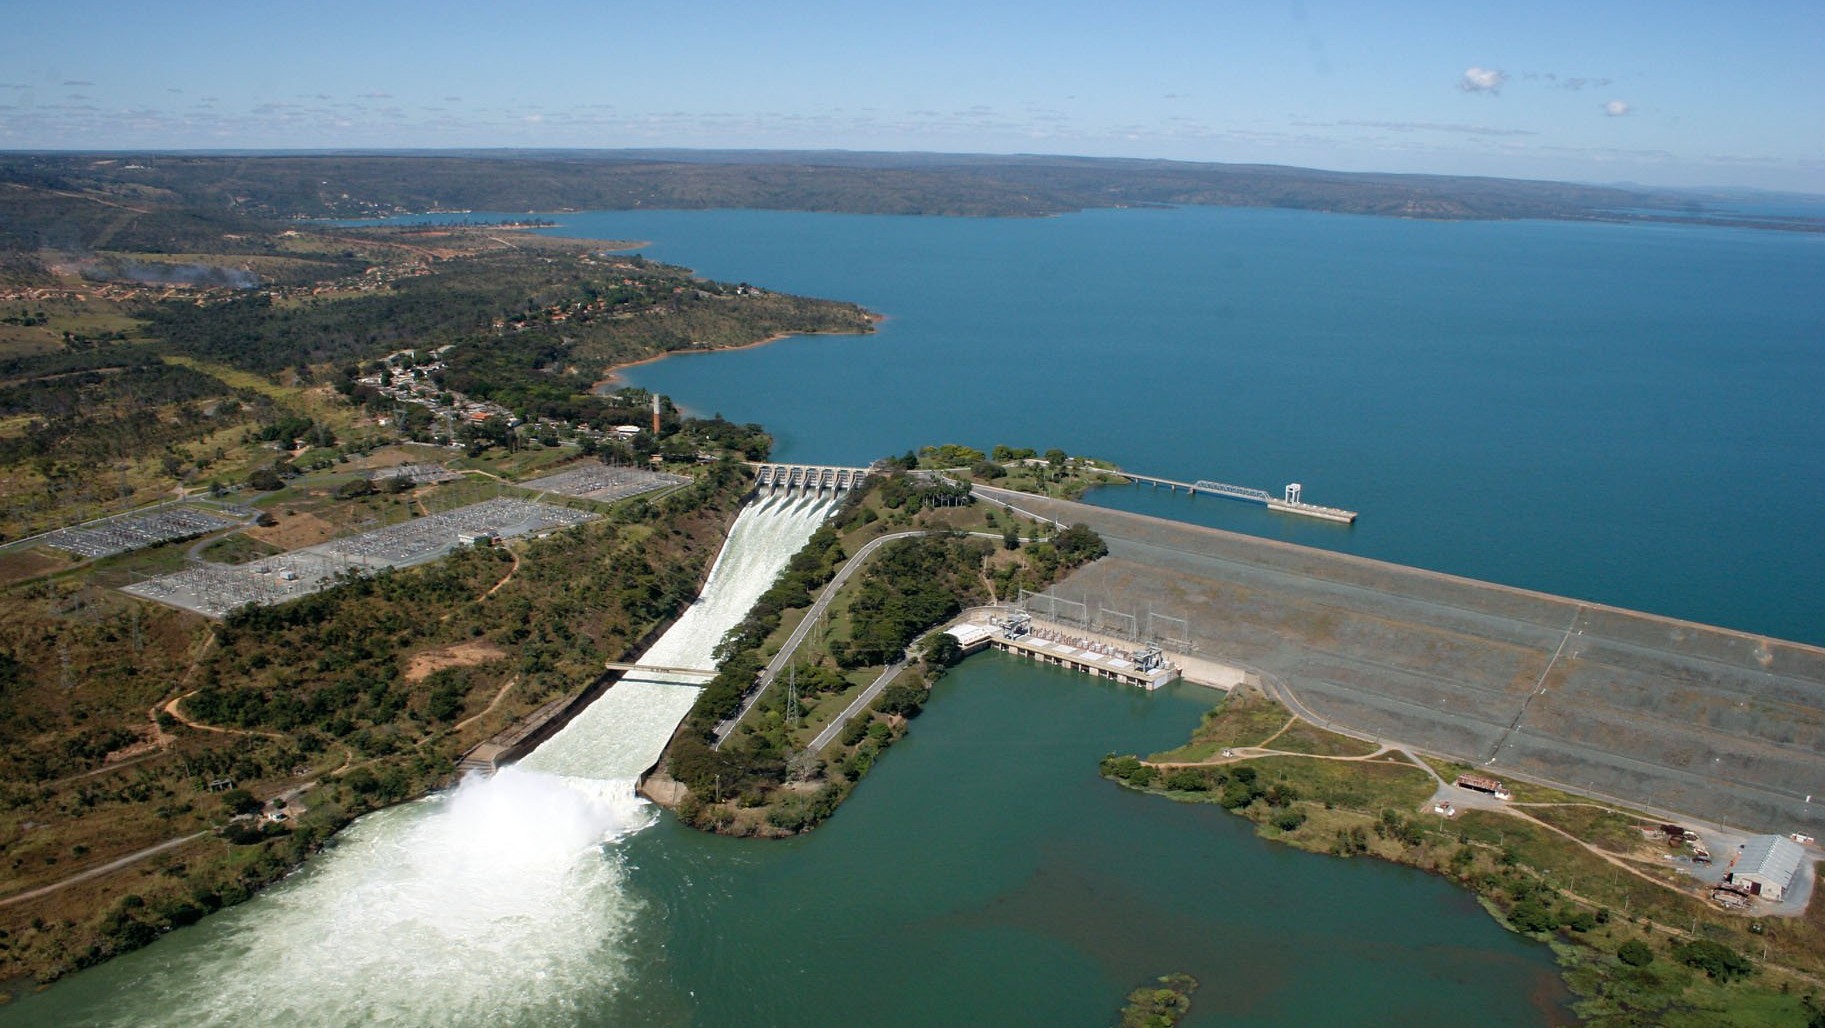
x: 236, y: 548
x: 1304, y: 737
x: 1247, y: 719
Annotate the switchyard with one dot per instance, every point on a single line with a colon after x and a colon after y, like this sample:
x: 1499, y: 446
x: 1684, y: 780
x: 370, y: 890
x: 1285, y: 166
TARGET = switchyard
x: 214, y: 590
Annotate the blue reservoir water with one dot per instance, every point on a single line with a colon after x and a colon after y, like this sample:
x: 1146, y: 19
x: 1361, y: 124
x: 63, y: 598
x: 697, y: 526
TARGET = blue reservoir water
x: 1623, y: 413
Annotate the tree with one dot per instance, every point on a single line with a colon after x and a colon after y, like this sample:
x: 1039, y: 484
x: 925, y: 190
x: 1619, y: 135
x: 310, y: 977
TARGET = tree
x: 1188, y: 779
x: 1056, y: 458
x: 240, y: 801
x: 1714, y: 958
x: 1531, y: 916
x: 941, y: 650
x: 902, y: 698
x: 1635, y: 953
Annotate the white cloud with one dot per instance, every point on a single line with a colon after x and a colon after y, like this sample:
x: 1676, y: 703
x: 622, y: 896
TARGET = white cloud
x: 1616, y: 108
x: 1482, y: 80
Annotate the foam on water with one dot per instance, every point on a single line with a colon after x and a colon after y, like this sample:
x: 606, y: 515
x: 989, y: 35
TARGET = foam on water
x: 501, y: 900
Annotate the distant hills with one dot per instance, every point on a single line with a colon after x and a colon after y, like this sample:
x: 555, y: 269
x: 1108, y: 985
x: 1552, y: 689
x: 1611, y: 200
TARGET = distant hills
x: 216, y: 187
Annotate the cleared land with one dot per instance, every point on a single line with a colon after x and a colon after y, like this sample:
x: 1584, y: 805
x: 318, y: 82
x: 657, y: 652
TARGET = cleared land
x: 1660, y: 714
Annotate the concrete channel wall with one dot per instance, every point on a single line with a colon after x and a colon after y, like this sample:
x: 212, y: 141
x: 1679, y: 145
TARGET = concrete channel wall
x: 1666, y: 714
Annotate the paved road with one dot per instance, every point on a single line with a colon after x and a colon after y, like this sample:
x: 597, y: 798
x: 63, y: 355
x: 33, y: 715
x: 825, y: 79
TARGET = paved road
x: 856, y: 706
x: 784, y: 656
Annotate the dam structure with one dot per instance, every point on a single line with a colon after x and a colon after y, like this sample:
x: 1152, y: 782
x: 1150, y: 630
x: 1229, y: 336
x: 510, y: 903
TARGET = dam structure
x: 1645, y: 711
x: 499, y: 901
x: 810, y: 478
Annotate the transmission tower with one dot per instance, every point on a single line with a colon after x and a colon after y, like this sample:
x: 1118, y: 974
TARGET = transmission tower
x: 792, y: 697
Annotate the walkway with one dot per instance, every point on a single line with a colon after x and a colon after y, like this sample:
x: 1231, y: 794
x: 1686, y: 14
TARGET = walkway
x: 856, y: 706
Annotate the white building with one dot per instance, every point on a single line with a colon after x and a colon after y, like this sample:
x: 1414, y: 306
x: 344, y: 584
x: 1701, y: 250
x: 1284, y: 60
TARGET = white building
x: 970, y: 638
x: 1767, y: 865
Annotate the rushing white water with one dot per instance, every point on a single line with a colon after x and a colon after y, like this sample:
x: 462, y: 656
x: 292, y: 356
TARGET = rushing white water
x: 497, y: 902
x: 623, y: 733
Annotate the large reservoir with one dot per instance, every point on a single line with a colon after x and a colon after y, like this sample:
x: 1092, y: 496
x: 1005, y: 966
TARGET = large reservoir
x: 1621, y: 413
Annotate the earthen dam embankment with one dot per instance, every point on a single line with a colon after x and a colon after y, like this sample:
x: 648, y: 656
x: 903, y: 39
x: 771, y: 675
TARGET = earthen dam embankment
x: 1660, y: 713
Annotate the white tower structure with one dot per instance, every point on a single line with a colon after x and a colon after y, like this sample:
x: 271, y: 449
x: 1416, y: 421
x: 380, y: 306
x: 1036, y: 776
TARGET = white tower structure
x: 1292, y: 492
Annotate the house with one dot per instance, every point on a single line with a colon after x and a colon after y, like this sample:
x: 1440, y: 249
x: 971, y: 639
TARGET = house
x: 1766, y: 865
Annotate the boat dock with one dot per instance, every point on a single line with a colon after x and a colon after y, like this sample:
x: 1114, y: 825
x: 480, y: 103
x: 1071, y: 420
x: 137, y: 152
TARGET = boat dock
x: 1291, y: 502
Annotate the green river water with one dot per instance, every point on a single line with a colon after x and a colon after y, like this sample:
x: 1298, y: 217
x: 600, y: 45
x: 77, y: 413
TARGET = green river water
x: 985, y: 874
x: 982, y: 874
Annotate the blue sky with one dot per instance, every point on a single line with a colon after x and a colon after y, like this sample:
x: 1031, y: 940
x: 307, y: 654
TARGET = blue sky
x: 1669, y: 93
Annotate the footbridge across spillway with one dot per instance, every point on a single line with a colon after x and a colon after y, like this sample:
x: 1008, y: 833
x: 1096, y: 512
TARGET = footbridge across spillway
x: 811, y: 478
x: 659, y: 669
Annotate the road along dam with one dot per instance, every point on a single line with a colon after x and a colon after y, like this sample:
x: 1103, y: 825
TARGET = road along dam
x: 1646, y: 710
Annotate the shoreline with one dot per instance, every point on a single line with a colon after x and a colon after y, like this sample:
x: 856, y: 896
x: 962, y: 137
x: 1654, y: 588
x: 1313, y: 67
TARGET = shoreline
x: 611, y: 375
x: 1577, y: 946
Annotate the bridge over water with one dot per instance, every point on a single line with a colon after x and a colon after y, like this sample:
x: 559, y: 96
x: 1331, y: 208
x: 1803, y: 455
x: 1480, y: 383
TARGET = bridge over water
x: 808, y: 477
x: 1291, y: 503
x: 659, y: 669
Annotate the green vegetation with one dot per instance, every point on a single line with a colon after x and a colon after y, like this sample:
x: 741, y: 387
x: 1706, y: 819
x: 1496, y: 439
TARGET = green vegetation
x: 180, y: 347
x: 1246, y: 718
x: 152, y: 342
x: 1635, y: 945
x: 1160, y: 1005
x: 238, y: 549
x: 764, y: 781
x: 354, y: 186
x: 358, y: 689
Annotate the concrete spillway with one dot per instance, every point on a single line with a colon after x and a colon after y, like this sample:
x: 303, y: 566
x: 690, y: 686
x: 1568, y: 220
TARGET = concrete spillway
x: 623, y: 733
x: 499, y: 901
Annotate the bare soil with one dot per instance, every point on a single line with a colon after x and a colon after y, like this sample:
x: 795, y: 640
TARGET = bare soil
x: 465, y: 654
